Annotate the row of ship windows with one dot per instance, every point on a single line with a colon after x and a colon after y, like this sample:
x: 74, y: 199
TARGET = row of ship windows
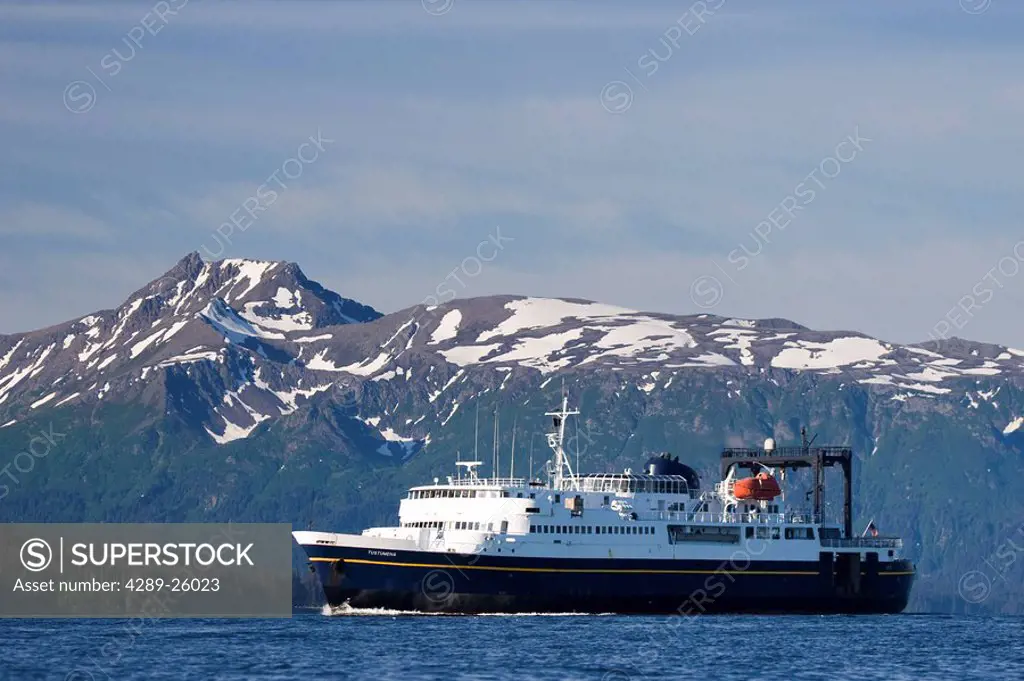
x: 761, y: 532
x: 634, y: 485
x: 591, y: 529
x: 454, y: 525
x: 463, y: 494
x: 536, y: 529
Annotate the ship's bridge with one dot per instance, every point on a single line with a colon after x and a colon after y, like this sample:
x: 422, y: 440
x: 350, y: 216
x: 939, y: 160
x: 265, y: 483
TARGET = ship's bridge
x: 480, y: 489
x: 470, y: 502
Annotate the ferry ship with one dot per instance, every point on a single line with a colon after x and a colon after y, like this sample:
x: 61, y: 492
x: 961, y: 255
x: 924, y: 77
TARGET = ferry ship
x: 651, y: 542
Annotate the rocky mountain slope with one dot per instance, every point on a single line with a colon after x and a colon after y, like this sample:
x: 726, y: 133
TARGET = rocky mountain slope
x: 243, y: 390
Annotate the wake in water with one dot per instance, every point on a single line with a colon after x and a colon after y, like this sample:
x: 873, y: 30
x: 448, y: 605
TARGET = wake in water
x: 348, y: 611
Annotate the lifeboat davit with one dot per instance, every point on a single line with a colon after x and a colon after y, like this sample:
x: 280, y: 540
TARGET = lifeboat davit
x: 761, y: 487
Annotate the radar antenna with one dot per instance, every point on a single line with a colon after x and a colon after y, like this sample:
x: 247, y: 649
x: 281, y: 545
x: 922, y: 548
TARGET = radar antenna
x: 803, y: 437
x: 470, y: 467
x: 556, y: 441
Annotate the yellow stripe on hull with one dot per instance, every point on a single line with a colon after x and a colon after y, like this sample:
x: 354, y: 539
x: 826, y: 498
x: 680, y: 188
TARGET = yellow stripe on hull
x: 496, y: 568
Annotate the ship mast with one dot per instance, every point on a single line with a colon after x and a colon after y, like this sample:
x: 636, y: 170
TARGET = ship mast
x: 556, y: 440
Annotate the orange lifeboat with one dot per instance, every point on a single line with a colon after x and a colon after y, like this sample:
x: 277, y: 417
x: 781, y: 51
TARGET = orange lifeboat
x: 761, y: 487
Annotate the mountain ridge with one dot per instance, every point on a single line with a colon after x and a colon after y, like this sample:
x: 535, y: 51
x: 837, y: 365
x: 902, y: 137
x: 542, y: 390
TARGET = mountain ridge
x: 242, y: 390
x: 256, y: 309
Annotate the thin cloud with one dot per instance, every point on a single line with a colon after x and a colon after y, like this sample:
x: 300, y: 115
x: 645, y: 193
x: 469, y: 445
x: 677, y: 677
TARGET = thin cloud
x: 490, y: 115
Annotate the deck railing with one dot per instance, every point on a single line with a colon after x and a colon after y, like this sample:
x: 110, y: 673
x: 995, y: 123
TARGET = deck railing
x: 795, y: 452
x: 487, y: 482
x: 863, y: 543
x: 738, y: 518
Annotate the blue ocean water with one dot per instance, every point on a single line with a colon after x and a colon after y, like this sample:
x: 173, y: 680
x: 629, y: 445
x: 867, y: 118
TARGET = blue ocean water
x: 531, y: 648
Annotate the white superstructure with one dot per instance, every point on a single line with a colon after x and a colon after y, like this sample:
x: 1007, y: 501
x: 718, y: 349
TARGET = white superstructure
x: 628, y: 515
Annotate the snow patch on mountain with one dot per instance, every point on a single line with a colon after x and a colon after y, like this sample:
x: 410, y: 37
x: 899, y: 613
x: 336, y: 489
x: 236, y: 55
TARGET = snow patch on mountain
x: 739, y: 339
x: 391, y: 436
x: 469, y: 354
x: 925, y: 388
x: 40, y: 364
x: 830, y: 354
x: 929, y: 374
x: 641, y: 337
x: 235, y: 431
x: 448, y: 328
x: 536, y: 352
x: 407, y: 448
x: 624, y: 334
x: 286, y: 299
x: 321, y: 363
x: 434, y: 395
x: 141, y: 346
x: 179, y: 290
x: 446, y: 419
x: 231, y: 325
x: 537, y: 313
x: 67, y: 399
x: 366, y: 367
x: 126, y: 316
x: 90, y: 349
x: 290, y: 397
x: 298, y: 321
x: 987, y: 395
x: 107, y: 362
x: 40, y: 402
x: 982, y: 371
x: 405, y: 325
x: 394, y: 442
x: 188, y: 358
x: 922, y: 351
x: 6, y: 359
x: 231, y: 432
x: 1013, y: 426
x: 250, y: 274
x: 9, y: 382
x: 287, y: 397
x: 706, y: 360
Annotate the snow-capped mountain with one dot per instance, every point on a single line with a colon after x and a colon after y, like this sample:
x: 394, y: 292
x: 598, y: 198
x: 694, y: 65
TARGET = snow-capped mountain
x: 241, y: 389
x: 197, y: 312
x: 275, y: 338
x: 551, y: 335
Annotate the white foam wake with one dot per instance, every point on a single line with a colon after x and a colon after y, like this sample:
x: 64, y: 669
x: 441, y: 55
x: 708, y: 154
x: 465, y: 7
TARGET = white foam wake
x: 348, y: 611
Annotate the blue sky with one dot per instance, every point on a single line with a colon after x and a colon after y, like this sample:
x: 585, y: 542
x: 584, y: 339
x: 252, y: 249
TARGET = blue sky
x: 448, y: 123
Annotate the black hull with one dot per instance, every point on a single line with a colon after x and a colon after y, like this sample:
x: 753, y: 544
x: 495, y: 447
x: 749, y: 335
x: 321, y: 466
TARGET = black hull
x: 456, y: 583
